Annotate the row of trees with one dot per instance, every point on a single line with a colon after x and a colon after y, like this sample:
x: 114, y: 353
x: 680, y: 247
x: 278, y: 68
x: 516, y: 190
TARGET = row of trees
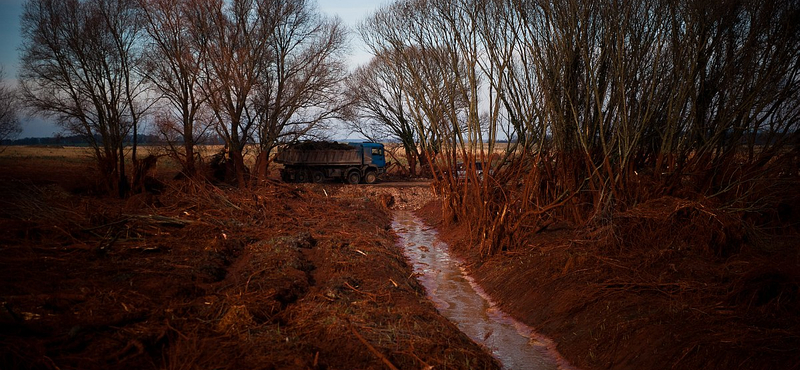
x: 252, y: 71
x: 607, y: 103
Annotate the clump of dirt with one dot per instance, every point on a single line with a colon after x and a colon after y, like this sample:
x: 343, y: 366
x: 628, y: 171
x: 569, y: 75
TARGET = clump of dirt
x: 668, y: 284
x: 278, y: 277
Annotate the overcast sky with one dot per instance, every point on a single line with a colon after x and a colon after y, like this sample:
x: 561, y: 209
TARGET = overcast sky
x: 350, y: 11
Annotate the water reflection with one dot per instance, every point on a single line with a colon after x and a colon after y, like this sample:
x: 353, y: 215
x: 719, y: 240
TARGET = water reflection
x: 462, y: 302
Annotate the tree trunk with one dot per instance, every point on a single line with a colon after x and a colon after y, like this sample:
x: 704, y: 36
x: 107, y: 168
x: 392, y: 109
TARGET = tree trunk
x: 262, y: 166
x: 188, y: 165
x: 239, y: 167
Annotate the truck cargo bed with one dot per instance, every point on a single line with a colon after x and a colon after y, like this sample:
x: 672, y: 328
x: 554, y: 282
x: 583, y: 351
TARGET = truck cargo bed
x: 319, y: 157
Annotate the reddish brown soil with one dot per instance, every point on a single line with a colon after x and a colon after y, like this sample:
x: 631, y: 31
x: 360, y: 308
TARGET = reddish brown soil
x: 669, y: 284
x: 198, y: 277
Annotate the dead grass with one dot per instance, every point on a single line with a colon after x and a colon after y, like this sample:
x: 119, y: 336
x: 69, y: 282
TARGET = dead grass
x: 280, y: 277
x: 668, y: 284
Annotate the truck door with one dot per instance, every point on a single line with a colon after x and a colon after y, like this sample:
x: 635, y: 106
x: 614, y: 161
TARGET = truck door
x: 378, y: 158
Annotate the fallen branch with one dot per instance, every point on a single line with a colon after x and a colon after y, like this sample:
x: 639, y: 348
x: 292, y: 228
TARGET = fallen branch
x: 372, y: 349
x: 373, y: 297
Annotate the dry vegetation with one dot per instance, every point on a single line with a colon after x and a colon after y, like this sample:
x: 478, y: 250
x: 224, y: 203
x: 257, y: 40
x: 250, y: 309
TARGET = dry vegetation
x: 648, y: 190
x: 645, y: 214
x: 199, y: 277
x: 669, y: 284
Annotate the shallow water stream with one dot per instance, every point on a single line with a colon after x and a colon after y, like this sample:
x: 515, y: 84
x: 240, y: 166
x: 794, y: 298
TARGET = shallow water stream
x: 458, y: 298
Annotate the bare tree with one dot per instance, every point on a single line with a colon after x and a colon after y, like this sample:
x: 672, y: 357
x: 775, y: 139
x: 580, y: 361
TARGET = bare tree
x: 379, y: 110
x: 435, y: 80
x: 78, y: 66
x: 272, y: 71
x: 678, y: 86
x: 597, y: 95
x: 173, y: 67
x: 302, y: 80
x: 435, y: 49
x: 234, y: 39
x: 9, y: 122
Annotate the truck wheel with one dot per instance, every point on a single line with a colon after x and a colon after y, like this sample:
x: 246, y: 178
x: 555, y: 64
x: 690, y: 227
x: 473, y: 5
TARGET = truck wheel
x: 317, y: 177
x: 353, y: 177
x: 370, y: 177
x: 301, y: 176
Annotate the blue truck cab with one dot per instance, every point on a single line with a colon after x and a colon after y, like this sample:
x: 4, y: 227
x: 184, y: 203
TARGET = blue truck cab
x: 374, y: 151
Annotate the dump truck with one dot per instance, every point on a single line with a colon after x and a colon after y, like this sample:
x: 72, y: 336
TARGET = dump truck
x: 317, y: 161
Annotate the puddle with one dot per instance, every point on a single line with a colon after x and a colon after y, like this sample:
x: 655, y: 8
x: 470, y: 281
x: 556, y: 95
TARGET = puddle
x: 458, y: 298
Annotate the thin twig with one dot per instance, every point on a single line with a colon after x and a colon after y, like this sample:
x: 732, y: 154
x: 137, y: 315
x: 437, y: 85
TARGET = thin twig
x: 372, y: 296
x: 372, y: 349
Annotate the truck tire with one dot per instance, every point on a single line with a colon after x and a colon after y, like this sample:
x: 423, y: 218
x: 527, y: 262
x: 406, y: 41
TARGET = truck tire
x: 301, y: 176
x: 370, y: 177
x: 353, y: 177
x: 317, y: 177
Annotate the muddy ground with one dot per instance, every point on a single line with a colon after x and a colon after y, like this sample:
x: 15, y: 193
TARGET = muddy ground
x: 669, y: 284
x: 308, y: 277
x: 200, y: 277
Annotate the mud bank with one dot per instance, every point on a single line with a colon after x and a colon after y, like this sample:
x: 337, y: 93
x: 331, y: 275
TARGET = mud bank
x: 667, y: 306
x: 458, y: 298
